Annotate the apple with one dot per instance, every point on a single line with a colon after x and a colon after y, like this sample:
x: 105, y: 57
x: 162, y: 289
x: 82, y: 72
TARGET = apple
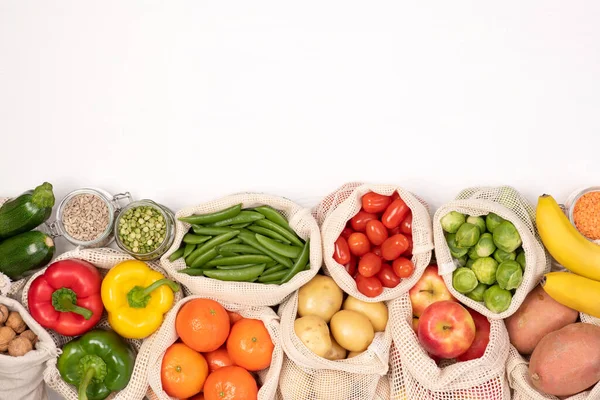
x: 415, y: 324
x: 429, y: 289
x: 446, y: 329
x: 482, y: 337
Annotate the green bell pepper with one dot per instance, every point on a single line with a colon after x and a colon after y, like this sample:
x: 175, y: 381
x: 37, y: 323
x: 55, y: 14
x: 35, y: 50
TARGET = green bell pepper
x: 98, y: 363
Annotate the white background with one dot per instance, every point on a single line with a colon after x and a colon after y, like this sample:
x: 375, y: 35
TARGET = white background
x: 183, y: 101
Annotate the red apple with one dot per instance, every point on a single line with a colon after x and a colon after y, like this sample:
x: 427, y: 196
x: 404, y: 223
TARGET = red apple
x: 429, y: 289
x: 415, y: 324
x: 446, y: 329
x: 482, y: 337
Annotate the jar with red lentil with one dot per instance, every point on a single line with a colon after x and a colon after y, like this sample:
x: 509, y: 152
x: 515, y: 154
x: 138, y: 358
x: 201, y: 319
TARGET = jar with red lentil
x: 583, y: 210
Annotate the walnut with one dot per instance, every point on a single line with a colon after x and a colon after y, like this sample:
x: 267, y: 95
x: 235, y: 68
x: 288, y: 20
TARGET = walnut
x: 3, y: 314
x: 19, y: 346
x: 6, y: 335
x: 15, y: 322
x: 29, y: 335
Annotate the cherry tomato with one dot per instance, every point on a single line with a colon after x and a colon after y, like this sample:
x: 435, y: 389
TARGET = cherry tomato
x: 393, y: 247
x: 370, y: 287
x: 394, y: 231
x: 388, y: 277
x: 375, y: 203
x: 377, y: 251
x: 359, y: 244
x: 403, y: 267
x: 347, y: 232
x: 395, y: 196
x: 369, y: 265
x: 408, y: 253
x: 341, y: 251
x: 376, y: 232
x: 351, y: 266
x: 395, y: 213
x: 406, y: 225
x: 359, y: 221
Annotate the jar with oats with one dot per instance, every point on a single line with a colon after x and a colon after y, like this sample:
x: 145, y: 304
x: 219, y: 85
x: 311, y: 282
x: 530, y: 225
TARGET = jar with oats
x: 85, y: 217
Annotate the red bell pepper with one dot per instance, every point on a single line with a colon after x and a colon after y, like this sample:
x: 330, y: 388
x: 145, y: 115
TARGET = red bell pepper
x: 66, y: 297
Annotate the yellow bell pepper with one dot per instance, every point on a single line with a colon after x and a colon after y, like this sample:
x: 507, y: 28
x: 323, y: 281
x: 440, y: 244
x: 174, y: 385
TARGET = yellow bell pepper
x: 136, y: 298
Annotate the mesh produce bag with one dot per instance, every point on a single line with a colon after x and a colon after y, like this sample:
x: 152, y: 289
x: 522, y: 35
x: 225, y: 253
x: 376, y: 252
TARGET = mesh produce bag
x: 103, y: 259
x: 167, y: 335
x: 518, y: 375
x: 510, y: 205
x: 415, y: 376
x: 307, y: 376
x: 337, y: 208
x: 23, y: 377
x: 253, y: 294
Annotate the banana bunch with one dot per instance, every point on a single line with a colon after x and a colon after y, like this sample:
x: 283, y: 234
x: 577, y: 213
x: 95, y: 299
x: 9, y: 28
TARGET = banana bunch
x: 579, y: 290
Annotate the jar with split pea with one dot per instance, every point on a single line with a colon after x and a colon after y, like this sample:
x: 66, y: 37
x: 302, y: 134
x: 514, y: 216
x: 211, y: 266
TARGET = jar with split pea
x: 583, y: 209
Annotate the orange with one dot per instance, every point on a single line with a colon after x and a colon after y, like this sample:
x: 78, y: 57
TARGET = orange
x: 230, y: 383
x: 183, y: 371
x: 234, y: 317
x: 250, y: 345
x: 218, y: 359
x: 199, y: 396
x: 202, y: 324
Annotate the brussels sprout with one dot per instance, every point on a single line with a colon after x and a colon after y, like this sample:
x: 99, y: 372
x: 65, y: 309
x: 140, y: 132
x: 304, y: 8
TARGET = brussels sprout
x: 501, y: 255
x: 470, y: 263
x: 452, y: 221
x: 506, y: 237
x: 497, y: 299
x: 473, y: 253
x: 477, y: 293
x: 492, y: 221
x: 457, y: 252
x: 478, y: 222
x: 464, y: 280
x: 485, y: 247
x: 485, y: 270
x: 467, y: 235
x: 461, y: 261
x: 521, y: 259
x: 509, y: 275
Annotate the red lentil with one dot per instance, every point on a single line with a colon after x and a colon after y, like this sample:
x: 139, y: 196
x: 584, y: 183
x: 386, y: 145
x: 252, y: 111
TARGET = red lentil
x: 586, y: 215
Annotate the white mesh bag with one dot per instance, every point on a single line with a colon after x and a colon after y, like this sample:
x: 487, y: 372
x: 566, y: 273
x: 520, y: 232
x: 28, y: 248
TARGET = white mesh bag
x: 307, y: 376
x: 103, y: 259
x: 518, y: 375
x: 167, y: 335
x: 337, y: 208
x: 415, y: 376
x: 510, y: 205
x: 253, y: 294
x: 23, y: 377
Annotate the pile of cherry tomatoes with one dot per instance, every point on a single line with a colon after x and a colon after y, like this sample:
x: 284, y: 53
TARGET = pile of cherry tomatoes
x: 375, y: 247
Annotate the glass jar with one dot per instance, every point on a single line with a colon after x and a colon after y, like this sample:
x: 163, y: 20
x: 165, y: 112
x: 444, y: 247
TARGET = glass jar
x: 58, y: 227
x: 169, y: 220
x: 569, y: 205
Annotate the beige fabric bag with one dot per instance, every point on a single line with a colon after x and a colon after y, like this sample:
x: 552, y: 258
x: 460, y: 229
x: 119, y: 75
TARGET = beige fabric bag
x: 167, y: 335
x: 518, y: 375
x: 511, y: 205
x: 23, y: 377
x: 252, y: 294
x: 307, y: 376
x: 417, y: 377
x: 336, y: 209
x: 103, y: 259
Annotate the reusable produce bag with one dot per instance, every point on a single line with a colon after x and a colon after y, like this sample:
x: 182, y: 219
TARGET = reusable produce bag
x: 23, y: 377
x: 510, y: 205
x: 307, y: 376
x: 337, y: 208
x: 103, y: 259
x: 252, y: 294
x: 415, y: 376
x: 167, y: 335
x: 518, y: 375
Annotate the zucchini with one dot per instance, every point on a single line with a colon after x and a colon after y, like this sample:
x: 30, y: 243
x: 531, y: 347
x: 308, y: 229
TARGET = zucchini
x: 25, y: 252
x: 27, y: 211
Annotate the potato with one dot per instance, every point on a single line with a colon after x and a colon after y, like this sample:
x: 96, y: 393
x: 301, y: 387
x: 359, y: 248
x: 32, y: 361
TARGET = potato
x: 539, y: 315
x: 566, y: 361
x: 314, y: 333
x: 354, y: 354
x: 337, y: 352
x: 321, y: 297
x: 376, y: 312
x: 352, y: 330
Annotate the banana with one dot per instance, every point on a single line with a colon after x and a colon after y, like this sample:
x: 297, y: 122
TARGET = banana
x: 574, y: 291
x: 569, y: 247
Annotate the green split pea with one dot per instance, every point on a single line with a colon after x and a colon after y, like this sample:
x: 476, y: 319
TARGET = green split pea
x: 142, y: 229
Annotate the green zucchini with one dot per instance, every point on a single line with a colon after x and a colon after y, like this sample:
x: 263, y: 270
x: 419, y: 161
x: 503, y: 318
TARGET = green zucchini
x: 27, y: 211
x: 25, y: 252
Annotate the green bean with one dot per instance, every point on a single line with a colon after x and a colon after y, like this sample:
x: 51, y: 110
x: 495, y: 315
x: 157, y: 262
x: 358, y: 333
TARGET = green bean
x: 240, y: 226
x: 279, y: 248
x: 237, y: 260
x: 192, y: 271
x: 272, y: 264
x: 281, y: 230
x: 249, y: 238
x: 227, y: 253
x: 188, y: 249
x: 239, y: 248
x: 230, y: 242
x: 215, y: 241
x: 204, y: 230
x: 300, y: 263
x: 203, y: 258
x: 177, y: 254
x: 273, y: 277
x: 273, y: 215
x: 242, y: 218
x: 307, y: 267
x: 195, y: 239
x: 234, y: 266
x: 244, y: 274
x: 269, y: 233
x: 276, y: 268
x: 213, y: 217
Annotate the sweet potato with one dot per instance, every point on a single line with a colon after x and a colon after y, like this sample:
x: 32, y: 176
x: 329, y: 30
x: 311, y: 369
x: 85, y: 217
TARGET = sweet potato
x: 539, y: 315
x: 566, y: 361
